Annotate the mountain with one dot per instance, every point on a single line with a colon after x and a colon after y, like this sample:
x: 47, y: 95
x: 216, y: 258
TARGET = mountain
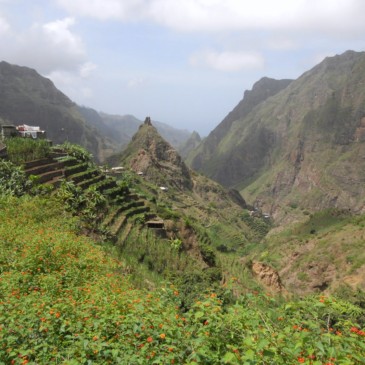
x: 28, y: 98
x: 197, y: 197
x: 121, y: 128
x: 301, y: 147
x: 192, y: 143
x: 150, y: 154
x: 205, y: 157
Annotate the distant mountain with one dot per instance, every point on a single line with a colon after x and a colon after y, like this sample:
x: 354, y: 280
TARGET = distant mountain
x: 208, y: 158
x: 121, y: 128
x: 299, y: 146
x: 192, y: 143
x: 28, y: 98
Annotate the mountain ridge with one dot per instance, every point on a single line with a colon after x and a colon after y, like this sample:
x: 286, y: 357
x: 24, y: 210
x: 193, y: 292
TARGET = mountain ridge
x: 284, y: 152
x: 121, y: 128
x: 29, y: 98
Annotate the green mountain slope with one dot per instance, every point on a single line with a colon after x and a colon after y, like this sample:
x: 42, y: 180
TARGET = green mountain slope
x: 302, y: 147
x: 220, y: 213
x: 205, y: 158
x: 28, y: 98
x: 66, y: 299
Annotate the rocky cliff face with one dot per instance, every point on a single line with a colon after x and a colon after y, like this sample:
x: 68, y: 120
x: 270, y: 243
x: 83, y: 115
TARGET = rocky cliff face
x: 302, y: 146
x: 205, y: 157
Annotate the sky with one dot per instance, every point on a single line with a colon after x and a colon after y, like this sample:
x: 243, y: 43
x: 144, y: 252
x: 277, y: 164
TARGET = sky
x: 182, y: 62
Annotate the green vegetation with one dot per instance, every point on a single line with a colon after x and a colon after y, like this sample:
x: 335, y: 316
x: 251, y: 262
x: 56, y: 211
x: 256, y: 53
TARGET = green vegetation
x: 76, y: 151
x: 160, y: 297
x: 12, y: 179
x: 66, y: 300
x: 21, y: 150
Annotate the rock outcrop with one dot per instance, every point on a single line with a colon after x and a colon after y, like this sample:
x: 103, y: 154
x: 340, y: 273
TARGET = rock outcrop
x: 267, y: 276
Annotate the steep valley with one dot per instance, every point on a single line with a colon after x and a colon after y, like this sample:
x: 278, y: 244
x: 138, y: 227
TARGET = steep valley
x: 300, y: 147
x: 249, y: 251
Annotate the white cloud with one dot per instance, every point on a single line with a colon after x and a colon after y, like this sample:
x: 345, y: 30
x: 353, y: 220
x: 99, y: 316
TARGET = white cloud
x: 58, y: 34
x: 46, y: 47
x: 218, y: 15
x: 86, y: 69
x: 4, y: 26
x: 104, y: 9
x: 54, y: 50
x: 72, y: 85
x: 227, y: 61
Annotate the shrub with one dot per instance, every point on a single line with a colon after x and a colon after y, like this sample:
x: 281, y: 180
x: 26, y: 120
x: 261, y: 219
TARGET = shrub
x: 21, y: 150
x: 13, y: 180
x: 76, y: 151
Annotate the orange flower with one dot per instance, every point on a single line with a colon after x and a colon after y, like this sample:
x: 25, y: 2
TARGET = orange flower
x: 301, y: 360
x: 162, y: 335
x: 149, y: 339
x: 95, y: 338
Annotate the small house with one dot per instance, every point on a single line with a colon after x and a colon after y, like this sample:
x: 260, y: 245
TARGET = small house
x: 8, y: 131
x: 34, y: 132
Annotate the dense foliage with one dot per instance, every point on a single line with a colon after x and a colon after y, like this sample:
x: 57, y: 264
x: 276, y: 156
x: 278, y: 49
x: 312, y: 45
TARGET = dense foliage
x: 13, y: 180
x: 65, y: 300
x: 21, y: 150
x: 76, y: 151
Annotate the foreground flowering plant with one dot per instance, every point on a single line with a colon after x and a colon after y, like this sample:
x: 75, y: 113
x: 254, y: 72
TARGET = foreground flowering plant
x: 65, y: 300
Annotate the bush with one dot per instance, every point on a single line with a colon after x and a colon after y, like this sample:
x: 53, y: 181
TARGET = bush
x: 21, y: 150
x: 76, y: 151
x: 13, y: 180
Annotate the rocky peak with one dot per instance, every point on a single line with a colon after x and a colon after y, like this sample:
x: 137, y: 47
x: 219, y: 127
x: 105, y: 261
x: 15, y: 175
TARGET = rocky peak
x: 159, y: 162
x: 148, y: 121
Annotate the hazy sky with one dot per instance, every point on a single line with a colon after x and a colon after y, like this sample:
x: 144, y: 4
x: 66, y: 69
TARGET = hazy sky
x: 183, y: 62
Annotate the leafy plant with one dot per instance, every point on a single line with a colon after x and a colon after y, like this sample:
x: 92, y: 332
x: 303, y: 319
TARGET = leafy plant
x: 176, y: 244
x: 65, y: 300
x: 13, y: 180
x: 76, y: 151
x: 21, y: 150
